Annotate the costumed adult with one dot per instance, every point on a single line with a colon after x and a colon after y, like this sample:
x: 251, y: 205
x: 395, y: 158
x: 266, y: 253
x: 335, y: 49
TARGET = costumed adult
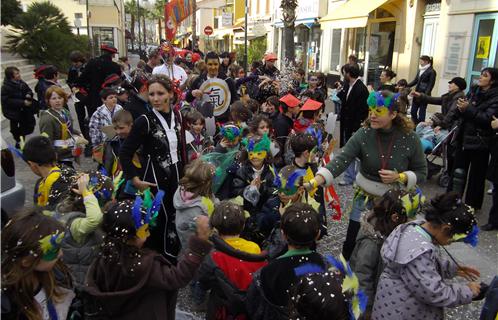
x: 159, y: 136
x: 314, y: 91
x: 214, y: 87
x: 423, y: 82
x: 169, y: 68
x: 354, y: 110
x: 95, y: 73
x: 474, y: 137
x: 390, y: 156
x: 18, y: 105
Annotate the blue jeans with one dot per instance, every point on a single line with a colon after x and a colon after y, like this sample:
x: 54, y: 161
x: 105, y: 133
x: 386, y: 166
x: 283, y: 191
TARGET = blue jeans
x: 359, y: 206
x: 419, y: 108
x: 351, y: 172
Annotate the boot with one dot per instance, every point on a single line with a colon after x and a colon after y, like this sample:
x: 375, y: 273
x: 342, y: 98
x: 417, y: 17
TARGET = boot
x: 349, y: 243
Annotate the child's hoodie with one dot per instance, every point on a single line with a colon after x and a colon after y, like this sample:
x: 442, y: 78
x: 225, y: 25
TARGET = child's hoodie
x: 412, y: 284
x: 188, y: 206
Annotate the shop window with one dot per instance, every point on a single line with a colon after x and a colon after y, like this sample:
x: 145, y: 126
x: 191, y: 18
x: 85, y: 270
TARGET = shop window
x: 102, y: 35
x: 485, y: 38
x: 335, y: 52
x: 380, y: 13
x: 381, y: 50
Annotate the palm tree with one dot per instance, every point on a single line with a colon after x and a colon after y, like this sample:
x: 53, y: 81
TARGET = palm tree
x: 158, y: 14
x: 289, y: 17
x: 131, y: 9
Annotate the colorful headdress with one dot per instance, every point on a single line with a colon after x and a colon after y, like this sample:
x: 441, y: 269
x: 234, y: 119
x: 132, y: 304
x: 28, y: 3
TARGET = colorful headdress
x: 350, y: 283
x: 167, y: 48
x: 471, y: 236
x: 50, y: 245
x: 382, y: 99
x: 257, y: 145
x: 101, y: 185
x: 316, y: 133
x: 411, y: 202
x: 230, y: 132
x: 145, y: 211
x: 290, y: 185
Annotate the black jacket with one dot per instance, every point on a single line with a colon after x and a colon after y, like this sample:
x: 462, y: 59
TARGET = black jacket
x: 13, y: 108
x: 136, y: 106
x: 425, y: 82
x: 41, y: 88
x: 354, y: 108
x: 448, y: 106
x: 227, y: 272
x: 93, y: 76
x: 243, y: 178
x: 475, y: 131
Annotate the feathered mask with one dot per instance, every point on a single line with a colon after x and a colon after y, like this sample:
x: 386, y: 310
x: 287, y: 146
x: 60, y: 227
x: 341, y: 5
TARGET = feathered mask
x: 382, y: 99
x: 411, y: 202
x: 230, y: 132
x: 316, y: 133
x: 145, y: 211
x: 50, y: 245
x: 350, y: 284
x: 290, y: 185
x: 257, y: 148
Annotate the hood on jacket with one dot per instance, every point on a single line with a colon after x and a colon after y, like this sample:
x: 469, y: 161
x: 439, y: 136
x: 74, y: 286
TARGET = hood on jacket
x: 367, y: 230
x: 222, y: 246
x: 185, y: 200
x: 118, y: 292
x: 405, y: 244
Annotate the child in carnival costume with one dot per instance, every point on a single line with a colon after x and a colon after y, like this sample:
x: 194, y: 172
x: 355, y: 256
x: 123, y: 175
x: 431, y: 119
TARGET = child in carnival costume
x: 224, y: 160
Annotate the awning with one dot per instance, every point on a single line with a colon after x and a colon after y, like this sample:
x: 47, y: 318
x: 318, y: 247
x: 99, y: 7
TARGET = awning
x: 220, y: 33
x: 352, y: 14
x: 306, y: 22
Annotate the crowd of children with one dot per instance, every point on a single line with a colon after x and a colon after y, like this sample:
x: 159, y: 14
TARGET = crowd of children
x: 237, y: 213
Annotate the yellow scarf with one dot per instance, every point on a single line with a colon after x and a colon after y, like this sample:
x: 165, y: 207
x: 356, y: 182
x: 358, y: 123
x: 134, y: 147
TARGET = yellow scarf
x: 45, y: 186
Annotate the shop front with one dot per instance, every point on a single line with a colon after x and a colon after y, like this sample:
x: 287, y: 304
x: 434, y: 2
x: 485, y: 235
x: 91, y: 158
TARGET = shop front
x: 378, y: 32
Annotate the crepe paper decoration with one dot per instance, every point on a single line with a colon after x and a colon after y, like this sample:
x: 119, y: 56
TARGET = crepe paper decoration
x: 50, y: 245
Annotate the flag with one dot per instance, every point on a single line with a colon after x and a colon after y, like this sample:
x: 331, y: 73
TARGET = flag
x: 330, y: 195
x: 175, y: 12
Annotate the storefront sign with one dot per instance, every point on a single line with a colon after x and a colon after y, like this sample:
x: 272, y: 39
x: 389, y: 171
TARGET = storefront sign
x: 226, y: 19
x: 306, y: 9
x: 456, y: 41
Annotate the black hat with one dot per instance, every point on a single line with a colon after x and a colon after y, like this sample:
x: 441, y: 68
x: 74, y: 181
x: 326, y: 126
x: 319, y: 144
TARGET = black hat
x: 459, y: 82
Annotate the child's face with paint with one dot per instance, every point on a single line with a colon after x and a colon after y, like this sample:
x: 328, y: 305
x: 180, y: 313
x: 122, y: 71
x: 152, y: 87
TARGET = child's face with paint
x: 287, y: 199
x: 257, y: 158
x: 197, y: 127
x: 122, y: 129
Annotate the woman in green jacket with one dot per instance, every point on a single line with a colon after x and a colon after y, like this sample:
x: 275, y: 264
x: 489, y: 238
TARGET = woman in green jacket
x: 390, y: 156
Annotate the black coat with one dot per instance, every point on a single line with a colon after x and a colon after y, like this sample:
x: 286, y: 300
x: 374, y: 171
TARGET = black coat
x: 492, y: 174
x: 41, y: 88
x: 13, y: 107
x: 425, y: 82
x: 93, y: 76
x: 136, y: 106
x: 354, y: 109
x: 448, y: 106
x: 475, y: 131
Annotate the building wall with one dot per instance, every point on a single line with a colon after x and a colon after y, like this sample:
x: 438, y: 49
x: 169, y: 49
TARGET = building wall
x: 458, y: 16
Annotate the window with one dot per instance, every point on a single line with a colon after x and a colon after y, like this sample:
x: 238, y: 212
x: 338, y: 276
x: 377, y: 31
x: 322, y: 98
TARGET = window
x: 484, y: 44
x: 102, y: 35
x: 257, y: 7
x: 335, y: 53
x: 78, y: 15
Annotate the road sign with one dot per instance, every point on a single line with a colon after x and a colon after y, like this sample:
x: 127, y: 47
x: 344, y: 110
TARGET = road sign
x: 208, y: 30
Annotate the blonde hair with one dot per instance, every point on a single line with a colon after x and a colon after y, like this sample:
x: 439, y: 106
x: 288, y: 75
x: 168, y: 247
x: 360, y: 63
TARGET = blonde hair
x: 198, y: 178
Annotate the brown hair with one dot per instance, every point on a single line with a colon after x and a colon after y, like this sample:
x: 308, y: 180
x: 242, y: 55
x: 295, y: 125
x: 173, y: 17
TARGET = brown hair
x: 165, y: 82
x: 20, y: 244
x: 239, y: 112
x: 193, y: 116
x: 198, y: 178
x: 401, y: 121
x: 123, y: 116
x: 384, y: 207
x: 60, y: 92
x: 228, y: 218
x: 254, y: 124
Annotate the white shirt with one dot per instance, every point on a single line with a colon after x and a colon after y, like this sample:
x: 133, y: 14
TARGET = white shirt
x: 173, y: 72
x: 170, y: 134
x: 350, y: 88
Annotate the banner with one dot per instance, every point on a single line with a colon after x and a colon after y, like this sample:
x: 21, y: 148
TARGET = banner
x: 175, y: 12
